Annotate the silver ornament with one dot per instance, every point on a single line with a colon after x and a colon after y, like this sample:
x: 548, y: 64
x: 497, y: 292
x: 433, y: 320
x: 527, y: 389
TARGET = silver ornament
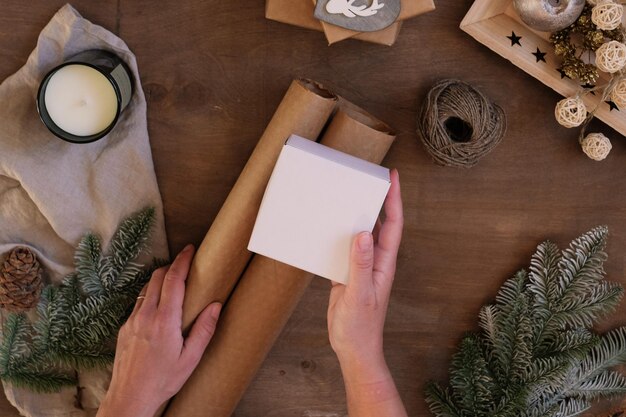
x: 549, y: 15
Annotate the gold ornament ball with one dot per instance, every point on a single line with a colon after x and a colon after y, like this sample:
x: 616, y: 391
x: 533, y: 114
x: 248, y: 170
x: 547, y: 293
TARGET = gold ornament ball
x: 596, y: 146
x: 549, y: 15
x: 607, y: 15
x: 570, y: 112
x: 611, y: 57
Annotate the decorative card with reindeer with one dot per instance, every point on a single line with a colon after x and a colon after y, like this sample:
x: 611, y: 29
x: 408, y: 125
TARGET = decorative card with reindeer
x: 358, y: 15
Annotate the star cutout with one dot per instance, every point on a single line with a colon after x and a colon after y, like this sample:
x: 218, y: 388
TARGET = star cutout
x: 515, y: 40
x: 563, y: 74
x: 541, y: 56
x: 588, y: 87
x: 612, y: 105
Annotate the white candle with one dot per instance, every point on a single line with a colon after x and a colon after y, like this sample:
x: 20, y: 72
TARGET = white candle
x: 80, y: 100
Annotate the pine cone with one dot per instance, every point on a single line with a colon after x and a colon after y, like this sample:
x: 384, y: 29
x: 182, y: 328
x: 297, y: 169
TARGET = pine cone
x: 20, y: 280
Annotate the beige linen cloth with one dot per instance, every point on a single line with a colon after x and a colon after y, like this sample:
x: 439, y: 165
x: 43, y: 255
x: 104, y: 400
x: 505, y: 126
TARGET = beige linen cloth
x: 53, y: 192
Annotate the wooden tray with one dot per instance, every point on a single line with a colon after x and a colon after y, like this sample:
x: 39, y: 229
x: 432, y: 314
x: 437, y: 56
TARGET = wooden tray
x: 494, y: 22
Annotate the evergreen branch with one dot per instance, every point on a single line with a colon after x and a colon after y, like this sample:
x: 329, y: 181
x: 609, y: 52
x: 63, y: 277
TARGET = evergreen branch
x: 14, y: 346
x: 472, y: 385
x: 605, y: 384
x: 440, y: 402
x: 572, y: 407
x: 70, y: 290
x: 40, y: 381
x: 610, y: 351
x: 544, y: 273
x: 582, y: 262
x: 511, y: 292
x: 88, y: 263
x: 599, y: 300
x: 77, y: 327
x: 536, y: 355
x: 573, y: 344
x: 131, y: 238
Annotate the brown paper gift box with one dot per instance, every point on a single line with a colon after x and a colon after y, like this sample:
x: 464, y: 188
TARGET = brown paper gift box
x: 300, y: 13
x: 266, y: 294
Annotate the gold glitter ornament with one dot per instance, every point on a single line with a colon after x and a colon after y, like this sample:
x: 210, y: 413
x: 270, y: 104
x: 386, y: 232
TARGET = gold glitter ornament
x: 611, y: 57
x: 596, y: 146
x: 607, y: 15
x: 570, y: 112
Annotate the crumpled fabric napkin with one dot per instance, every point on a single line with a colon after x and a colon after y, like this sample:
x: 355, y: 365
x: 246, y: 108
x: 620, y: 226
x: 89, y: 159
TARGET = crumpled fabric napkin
x: 53, y: 192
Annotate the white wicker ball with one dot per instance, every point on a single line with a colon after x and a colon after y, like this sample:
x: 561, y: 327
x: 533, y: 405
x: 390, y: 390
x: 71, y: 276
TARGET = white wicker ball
x: 618, y: 95
x: 607, y: 15
x: 611, y: 57
x: 596, y: 146
x: 570, y: 112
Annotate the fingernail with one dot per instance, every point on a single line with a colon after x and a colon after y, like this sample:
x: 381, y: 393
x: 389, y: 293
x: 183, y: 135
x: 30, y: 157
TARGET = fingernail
x: 365, y: 241
x: 187, y: 248
x: 215, y: 310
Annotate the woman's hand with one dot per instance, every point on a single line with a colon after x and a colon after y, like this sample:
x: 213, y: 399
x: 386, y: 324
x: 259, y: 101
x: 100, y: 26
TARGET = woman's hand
x: 356, y: 315
x: 153, y: 359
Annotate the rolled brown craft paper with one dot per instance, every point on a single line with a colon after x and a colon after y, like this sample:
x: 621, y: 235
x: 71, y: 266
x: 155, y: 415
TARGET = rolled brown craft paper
x: 223, y: 255
x: 266, y: 296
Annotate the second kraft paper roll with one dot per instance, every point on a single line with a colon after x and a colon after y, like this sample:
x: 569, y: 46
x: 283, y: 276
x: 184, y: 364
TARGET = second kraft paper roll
x: 266, y: 295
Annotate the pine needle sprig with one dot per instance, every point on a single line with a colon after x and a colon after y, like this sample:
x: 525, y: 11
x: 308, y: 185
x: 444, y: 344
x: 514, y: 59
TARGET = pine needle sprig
x: 536, y: 354
x: 78, y: 321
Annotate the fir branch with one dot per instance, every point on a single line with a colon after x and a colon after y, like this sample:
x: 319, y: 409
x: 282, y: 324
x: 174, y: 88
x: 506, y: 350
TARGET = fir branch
x: 88, y: 259
x: 78, y: 321
x: 470, y: 379
x: 131, y: 238
x: 14, y: 345
x: 605, y: 384
x: 609, y: 352
x: 536, y: 355
x: 544, y: 271
x: 440, y: 402
x: 40, y: 381
x: 581, y: 264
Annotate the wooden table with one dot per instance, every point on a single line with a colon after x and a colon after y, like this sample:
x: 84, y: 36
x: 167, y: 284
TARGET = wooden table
x: 213, y: 73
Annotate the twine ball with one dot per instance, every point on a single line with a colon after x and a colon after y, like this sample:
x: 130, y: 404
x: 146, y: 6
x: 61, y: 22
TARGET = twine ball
x: 618, y: 95
x: 596, y: 146
x: 607, y: 15
x: 459, y: 125
x: 570, y: 112
x: 611, y: 57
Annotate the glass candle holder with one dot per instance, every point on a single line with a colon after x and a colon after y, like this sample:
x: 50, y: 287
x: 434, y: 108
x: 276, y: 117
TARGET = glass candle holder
x: 81, y: 100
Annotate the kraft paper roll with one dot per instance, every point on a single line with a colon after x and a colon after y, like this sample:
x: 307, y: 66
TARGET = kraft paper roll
x: 266, y: 295
x: 223, y: 254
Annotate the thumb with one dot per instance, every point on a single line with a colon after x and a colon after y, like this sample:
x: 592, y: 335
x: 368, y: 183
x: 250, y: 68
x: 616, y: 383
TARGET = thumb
x: 360, y: 284
x: 200, y: 335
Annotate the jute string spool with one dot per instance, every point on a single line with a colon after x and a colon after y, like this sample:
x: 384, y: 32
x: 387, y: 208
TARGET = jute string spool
x: 607, y: 15
x: 611, y: 57
x: 570, y: 112
x: 459, y: 125
x: 596, y: 146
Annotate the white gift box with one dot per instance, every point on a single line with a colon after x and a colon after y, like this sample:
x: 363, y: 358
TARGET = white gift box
x: 317, y: 200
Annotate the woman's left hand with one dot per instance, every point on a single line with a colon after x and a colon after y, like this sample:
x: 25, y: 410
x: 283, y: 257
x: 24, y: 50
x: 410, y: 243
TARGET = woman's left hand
x: 153, y: 359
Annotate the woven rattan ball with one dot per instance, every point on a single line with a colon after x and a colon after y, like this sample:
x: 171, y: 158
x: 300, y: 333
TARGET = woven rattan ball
x: 607, y: 15
x: 618, y: 95
x: 611, y: 57
x: 596, y: 146
x: 570, y: 112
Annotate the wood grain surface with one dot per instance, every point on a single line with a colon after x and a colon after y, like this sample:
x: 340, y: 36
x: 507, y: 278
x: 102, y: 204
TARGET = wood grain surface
x: 213, y: 73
